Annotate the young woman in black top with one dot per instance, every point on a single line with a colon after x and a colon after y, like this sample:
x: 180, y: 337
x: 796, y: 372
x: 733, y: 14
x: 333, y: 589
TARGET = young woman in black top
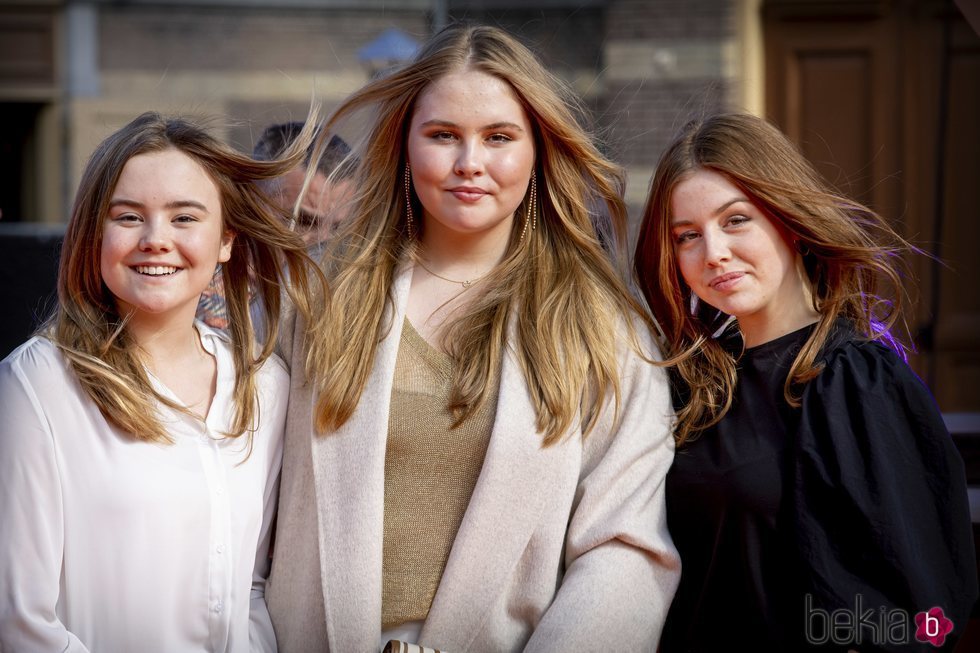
x: 816, y: 497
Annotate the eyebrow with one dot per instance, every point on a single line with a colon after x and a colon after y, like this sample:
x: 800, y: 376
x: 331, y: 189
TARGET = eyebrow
x: 176, y: 204
x: 720, y: 209
x: 495, y: 125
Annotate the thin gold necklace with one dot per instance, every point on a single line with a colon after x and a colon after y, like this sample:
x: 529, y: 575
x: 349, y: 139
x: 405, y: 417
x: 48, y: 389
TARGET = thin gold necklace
x: 466, y: 283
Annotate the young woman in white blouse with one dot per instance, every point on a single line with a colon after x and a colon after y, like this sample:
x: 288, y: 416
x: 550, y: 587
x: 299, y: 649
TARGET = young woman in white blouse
x: 139, y: 449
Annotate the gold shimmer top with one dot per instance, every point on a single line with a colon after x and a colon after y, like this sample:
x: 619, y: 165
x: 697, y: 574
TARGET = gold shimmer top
x: 430, y: 473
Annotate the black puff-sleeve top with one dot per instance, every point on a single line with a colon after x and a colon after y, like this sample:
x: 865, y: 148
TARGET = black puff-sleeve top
x: 842, y: 524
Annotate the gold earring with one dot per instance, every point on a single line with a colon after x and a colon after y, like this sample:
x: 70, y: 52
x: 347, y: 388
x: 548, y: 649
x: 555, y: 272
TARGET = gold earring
x: 409, y: 218
x: 531, y: 216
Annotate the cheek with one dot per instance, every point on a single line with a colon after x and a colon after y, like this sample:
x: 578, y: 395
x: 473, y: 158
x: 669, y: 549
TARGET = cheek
x: 689, y: 268
x: 427, y: 173
x: 429, y: 167
x: 425, y: 158
x: 516, y: 176
x: 515, y: 167
x: 777, y: 255
x: 112, y: 250
x: 111, y: 257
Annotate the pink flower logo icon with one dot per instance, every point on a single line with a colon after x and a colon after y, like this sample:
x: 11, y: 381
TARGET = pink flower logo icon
x: 932, y: 626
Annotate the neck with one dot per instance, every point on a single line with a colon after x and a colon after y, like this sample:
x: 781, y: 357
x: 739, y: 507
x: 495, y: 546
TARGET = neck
x: 163, y: 341
x: 759, y: 334
x: 794, y: 312
x: 464, y: 255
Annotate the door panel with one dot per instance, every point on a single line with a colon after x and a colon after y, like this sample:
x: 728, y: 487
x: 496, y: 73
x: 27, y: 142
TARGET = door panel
x: 859, y: 87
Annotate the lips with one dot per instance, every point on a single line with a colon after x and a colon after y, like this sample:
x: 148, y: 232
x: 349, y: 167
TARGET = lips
x: 156, y: 270
x: 726, y: 281
x: 468, y: 193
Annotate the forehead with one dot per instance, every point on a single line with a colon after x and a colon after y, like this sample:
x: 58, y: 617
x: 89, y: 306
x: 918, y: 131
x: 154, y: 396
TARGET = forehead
x: 701, y: 182
x: 470, y: 96
x: 700, y: 193
x: 168, y: 172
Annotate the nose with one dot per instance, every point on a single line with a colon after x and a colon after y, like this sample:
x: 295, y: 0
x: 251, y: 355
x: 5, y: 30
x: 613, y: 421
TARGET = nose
x: 716, y: 249
x: 469, y: 159
x: 156, y: 236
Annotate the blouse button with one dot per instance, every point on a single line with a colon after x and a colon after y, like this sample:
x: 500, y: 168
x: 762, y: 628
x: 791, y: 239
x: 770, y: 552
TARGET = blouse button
x: 220, y: 548
x: 218, y: 607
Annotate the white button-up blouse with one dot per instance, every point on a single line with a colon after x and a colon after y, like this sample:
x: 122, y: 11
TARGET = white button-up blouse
x: 112, y: 545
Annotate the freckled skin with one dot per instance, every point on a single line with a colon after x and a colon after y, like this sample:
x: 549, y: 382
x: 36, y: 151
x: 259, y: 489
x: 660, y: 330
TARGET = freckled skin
x: 736, y: 259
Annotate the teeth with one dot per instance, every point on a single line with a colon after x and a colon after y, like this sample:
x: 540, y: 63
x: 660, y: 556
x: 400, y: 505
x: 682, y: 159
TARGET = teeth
x: 156, y: 270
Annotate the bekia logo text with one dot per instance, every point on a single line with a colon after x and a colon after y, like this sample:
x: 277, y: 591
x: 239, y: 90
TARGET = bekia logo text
x: 880, y: 627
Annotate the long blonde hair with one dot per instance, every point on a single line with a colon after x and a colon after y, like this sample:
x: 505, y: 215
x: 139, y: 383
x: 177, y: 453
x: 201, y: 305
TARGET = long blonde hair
x: 851, y: 257
x: 557, y: 287
x: 86, y: 325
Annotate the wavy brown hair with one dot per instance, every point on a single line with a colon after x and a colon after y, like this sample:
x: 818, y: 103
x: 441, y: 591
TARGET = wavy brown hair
x: 86, y: 325
x: 852, y: 257
x: 558, y: 289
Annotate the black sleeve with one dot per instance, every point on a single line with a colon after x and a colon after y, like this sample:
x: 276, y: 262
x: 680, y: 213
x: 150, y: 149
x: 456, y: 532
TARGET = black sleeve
x: 880, y: 502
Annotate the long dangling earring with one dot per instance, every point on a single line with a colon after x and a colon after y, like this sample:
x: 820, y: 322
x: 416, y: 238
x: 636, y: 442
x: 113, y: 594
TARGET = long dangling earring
x: 531, y: 216
x: 409, y: 218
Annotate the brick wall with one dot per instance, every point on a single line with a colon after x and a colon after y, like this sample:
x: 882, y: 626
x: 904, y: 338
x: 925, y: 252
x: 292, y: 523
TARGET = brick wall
x: 669, y: 19
x: 667, y: 61
x: 222, y: 39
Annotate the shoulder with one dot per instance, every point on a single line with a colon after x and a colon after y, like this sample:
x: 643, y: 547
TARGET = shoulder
x: 36, y: 386
x: 874, y: 458
x: 867, y: 368
x: 38, y: 362
x: 216, y: 336
x: 636, y: 342
x: 867, y: 402
x: 642, y: 410
x: 638, y: 357
x: 272, y: 372
x: 642, y: 373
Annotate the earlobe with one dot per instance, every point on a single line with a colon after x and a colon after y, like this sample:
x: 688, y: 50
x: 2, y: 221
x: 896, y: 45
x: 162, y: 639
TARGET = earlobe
x: 227, y: 240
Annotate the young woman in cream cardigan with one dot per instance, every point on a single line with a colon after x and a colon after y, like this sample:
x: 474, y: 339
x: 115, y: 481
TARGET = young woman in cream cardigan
x: 477, y: 437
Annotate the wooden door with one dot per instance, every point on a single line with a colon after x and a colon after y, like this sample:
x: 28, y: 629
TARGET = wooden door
x: 884, y: 97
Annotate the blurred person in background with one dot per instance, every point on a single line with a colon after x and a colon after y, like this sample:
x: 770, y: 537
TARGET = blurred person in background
x: 315, y: 214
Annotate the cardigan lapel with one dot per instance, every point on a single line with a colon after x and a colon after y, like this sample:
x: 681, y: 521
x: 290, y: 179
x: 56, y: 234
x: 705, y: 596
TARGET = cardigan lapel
x: 515, y: 483
x: 349, y: 482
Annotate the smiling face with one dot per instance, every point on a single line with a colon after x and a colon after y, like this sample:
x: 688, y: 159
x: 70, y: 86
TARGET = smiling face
x: 736, y: 259
x: 163, y: 237
x: 471, y: 150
